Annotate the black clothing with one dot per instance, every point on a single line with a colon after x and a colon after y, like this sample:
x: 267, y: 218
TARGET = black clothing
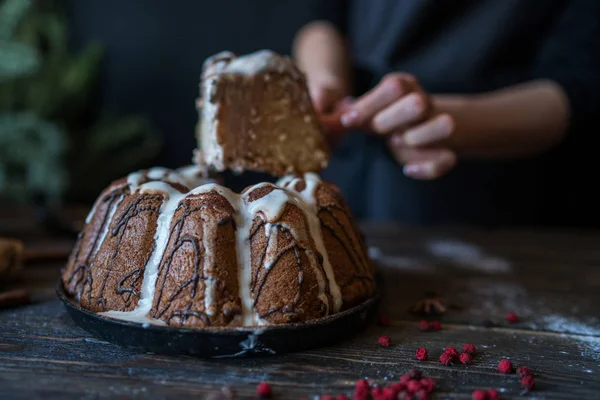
x: 470, y: 46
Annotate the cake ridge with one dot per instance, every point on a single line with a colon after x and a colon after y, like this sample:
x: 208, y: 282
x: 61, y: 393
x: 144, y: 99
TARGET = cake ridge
x: 271, y: 206
x: 283, y: 219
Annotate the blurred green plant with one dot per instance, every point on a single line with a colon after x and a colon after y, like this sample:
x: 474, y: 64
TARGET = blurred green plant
x: 53, y: 144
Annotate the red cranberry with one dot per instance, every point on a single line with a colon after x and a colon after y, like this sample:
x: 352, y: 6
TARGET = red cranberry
x: 469, y: 348
x: 424, y: 326
x: 512, y: 317
x: 384, y: 341
x: 492, y: 394
x: 505, y: 367
x: 422, y: 354
x: 264, y: 390
x: 465, y: 358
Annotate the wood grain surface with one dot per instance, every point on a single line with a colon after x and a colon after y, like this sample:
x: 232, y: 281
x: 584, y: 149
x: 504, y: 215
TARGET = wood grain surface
x: 550, y: 279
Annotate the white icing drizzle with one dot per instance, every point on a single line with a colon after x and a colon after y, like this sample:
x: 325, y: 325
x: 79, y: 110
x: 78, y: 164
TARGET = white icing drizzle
x: 248, y: 64
x: 308, y: 195
x: 270, y: 206
x: 106, y: 227
x: 161, y: 238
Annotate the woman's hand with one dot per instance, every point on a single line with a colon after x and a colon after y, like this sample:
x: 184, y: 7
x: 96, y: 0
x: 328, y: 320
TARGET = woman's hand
x: 399, y: 109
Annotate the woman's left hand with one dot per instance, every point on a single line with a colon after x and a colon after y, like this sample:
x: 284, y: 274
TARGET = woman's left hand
x: 403, y: 112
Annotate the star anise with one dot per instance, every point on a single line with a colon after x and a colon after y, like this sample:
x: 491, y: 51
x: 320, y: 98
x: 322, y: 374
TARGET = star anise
x: 432, y: 304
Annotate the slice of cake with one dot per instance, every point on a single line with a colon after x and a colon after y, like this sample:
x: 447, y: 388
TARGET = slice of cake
x: 255, y: 113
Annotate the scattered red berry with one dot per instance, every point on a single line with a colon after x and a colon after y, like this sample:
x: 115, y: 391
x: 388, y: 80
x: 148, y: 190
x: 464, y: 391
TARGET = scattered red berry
x: 528, y: 383
x: 384, y: 341
x: 452, y: 351
x: 397, y: 387
x: 421, y: 395
x: 413, y: 386
x: 361, y: 391
x: 505, y: 367
x: 377, y: 393
x: 479, y: 395
x: 523, y: 372
x: 469, y: 348
x: 264, y: 390
x: 422, y: 354
x: 436, y: 326
x: 465, y: 358
x: 383, y: 321
x: 492, y: 394
x: 512, y: 317
x: 424, y: 326
x: 342, y: 397
x: 389, y: 393
x: 446, y: 359
x: 427, y: 384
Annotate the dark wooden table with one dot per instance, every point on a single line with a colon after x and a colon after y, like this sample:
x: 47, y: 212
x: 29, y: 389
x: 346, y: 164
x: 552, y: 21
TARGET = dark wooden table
x: 550, y: 279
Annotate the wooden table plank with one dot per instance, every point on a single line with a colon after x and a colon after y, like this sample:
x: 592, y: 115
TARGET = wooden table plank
x: 552, y: 280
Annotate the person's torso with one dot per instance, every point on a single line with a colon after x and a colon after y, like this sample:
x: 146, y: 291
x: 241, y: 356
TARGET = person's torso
x: 451, y: 45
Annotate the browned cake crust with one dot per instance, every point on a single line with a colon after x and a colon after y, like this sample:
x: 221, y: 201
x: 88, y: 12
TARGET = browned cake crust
x: 347, y: 251
x: 256, y: 114
x: 286, y: 267
x: 158, y: 249
x: 188, y: 272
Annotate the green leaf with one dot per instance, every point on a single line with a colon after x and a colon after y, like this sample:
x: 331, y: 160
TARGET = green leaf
x: 11, y: 13
x: 17, y: 60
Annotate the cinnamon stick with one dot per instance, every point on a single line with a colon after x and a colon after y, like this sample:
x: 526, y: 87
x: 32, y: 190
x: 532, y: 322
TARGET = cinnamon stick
x: 14, y: 298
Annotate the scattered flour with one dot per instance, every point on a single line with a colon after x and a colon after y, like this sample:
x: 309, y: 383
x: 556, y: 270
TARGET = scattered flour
x: 400, y: 262
x: 468, y: 256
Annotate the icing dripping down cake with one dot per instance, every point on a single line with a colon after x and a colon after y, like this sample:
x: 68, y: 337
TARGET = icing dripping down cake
x: 255, y: 113
x: 167, y: 247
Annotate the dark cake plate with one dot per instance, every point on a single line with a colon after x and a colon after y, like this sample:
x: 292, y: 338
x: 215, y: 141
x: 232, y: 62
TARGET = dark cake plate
x: 223, y: 342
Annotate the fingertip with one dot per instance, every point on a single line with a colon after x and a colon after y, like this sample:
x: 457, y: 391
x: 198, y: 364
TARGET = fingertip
x: 349, y: 118
x: 397, y: 140
x: 447, y: 122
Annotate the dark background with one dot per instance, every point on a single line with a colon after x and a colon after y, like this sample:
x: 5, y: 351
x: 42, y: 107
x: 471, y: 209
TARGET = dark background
x: 155, y: 50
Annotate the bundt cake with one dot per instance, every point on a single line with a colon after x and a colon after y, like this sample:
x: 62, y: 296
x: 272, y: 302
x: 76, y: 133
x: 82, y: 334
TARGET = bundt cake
x: 165, y: 247
x: 255, y: 113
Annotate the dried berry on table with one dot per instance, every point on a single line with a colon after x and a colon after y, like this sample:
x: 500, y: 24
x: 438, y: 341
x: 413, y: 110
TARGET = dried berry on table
x: 422, y: 354
x: 452, y: 351
x: 361, y: 391
x: 436, y: 326
x: 427, y: 384
x: 528, y: 383
x: 492, y: 394
x: 424, y: 326
x: 384, y: 341
x: 505, y: 367
x: 465, y: 358
x: 523, y: 372
x: 512, y: 317
x: 446, y: 359
x: 469, y: 348
x: 479, y: 395
x: 264, y: 390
